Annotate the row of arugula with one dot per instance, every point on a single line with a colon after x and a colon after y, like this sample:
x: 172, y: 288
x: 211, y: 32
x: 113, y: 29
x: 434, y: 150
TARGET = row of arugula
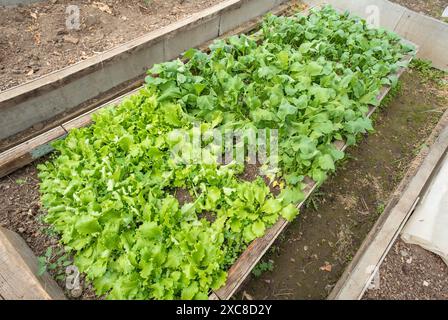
x: 109, y: 189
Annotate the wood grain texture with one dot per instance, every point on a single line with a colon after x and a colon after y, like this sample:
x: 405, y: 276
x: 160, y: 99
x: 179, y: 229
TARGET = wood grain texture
x: 97, y: 62
x: 8, y: 161
x: 27, y: 152
x: 18, y: 272
x: 250, y: 257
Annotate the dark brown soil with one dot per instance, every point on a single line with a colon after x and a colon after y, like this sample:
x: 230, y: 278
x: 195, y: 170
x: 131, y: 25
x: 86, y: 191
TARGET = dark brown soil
x: 34, y: 39
x: 20, y: 211
x: 311, y: 255
x: 433, y: 8
x: 207, y: 215
x: 411, y: 273
x: 252, y: 172
x: 183, y: 196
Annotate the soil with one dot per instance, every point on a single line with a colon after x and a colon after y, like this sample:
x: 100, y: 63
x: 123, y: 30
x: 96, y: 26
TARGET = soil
x: 20, y: 211
x: 207, y: 215
x: 311, y: 255
x: 34, y: 39
x: 252, y: 172
x: 20, y: 208
x: 433, y: 8
x: 183, y: 196
x: 411, y: 273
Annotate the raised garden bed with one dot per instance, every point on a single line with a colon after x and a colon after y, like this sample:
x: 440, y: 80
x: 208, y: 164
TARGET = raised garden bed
x: 173, y: 81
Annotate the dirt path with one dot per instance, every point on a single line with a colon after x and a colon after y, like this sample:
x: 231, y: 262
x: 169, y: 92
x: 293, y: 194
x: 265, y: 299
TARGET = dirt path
x: 34, y: 39
x: 410, y: 272
x: 312, y: 254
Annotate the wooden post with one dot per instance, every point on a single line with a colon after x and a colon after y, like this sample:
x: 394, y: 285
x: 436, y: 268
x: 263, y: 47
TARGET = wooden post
x: 18, y: 272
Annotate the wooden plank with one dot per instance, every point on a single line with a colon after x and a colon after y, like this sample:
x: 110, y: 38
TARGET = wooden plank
x: 81, y: 109
x: 255, y: 251
x: 377, y: 244
x: 18, y: 272
x: 27, y: 152
x: 86, y: 119
x: 97, y: 61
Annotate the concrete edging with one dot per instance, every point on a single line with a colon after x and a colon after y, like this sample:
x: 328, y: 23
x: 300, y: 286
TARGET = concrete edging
x: 23, y: 106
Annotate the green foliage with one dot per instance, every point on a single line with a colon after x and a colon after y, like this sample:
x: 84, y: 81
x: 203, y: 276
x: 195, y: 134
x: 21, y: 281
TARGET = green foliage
x: 393, y: 92
x: 109, y: 190
x: 421, y: 65
x: 314, y: 200
x: 20, y: 181
x: 428, y: 72
x: 380, y: 208
x: 53, y: 261
x: 262, y: 267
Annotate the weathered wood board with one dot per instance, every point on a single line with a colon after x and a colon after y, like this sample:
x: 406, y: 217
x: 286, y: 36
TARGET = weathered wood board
x: 29, y: 151
x: 68, y: 89
x: 29, y: 286
x: 18, y: 272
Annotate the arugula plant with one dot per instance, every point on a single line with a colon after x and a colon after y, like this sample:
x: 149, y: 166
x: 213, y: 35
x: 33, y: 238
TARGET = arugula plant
x: 108, y: 190
x: 53, y: 261
x: 262, y: 267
